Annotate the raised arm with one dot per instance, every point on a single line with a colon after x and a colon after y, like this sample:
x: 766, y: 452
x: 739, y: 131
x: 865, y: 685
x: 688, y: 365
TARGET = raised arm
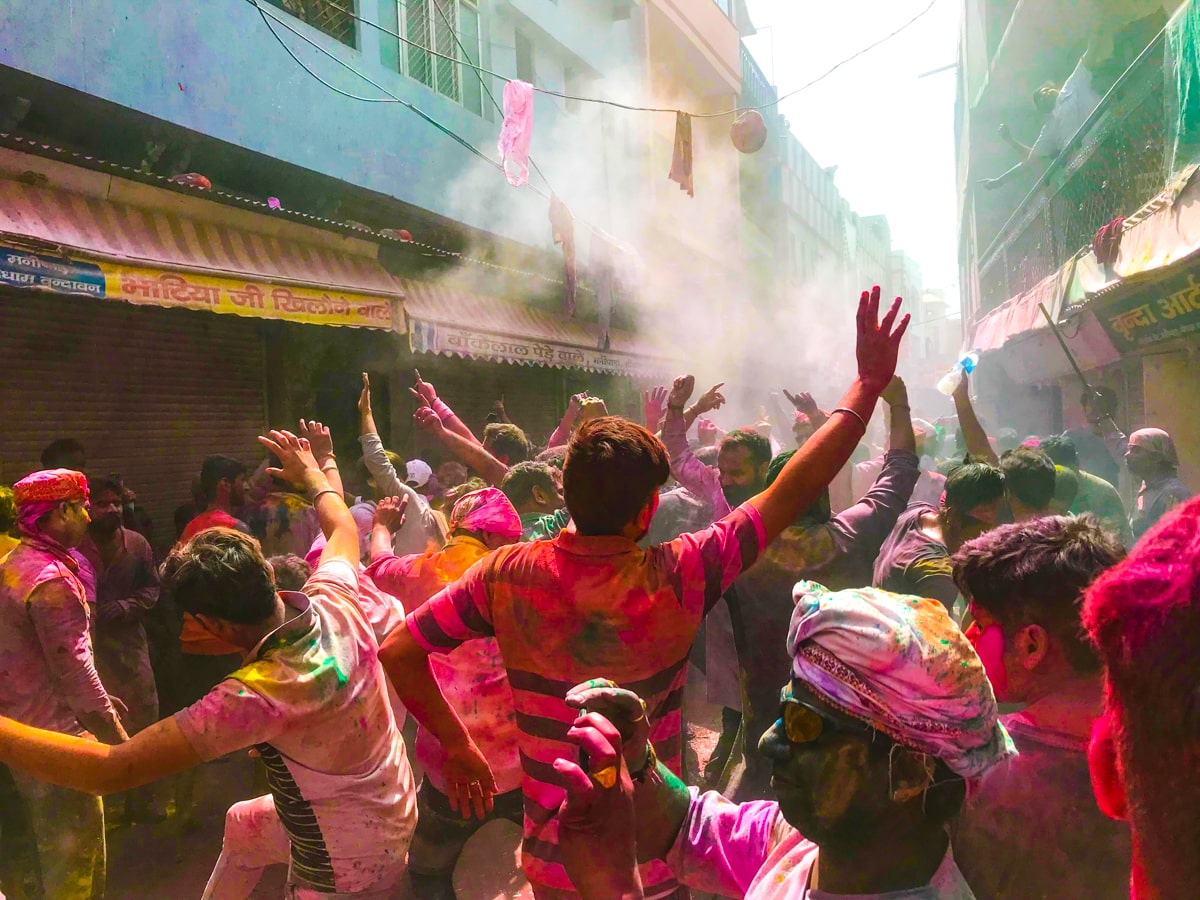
x: 321, y: 442
x: 686, y: 469
x: 389, y: 518
x: 566, y: 427
x: 1006, y: 135
x: 968, y: 423
x: 900, y: 429
x: 472, y: 455
x: 427, y: 396
x: 815, y: 464
x: 298, y: 465
x: 710, y: 400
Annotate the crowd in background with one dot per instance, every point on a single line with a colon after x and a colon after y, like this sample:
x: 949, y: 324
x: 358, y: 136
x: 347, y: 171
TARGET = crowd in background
x: 986, y: 659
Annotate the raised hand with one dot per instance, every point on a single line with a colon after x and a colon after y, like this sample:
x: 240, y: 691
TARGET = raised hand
x: 681, y: 391
x: 710, y: 400
x: 318, y: 437
x: 878, y: 343
x: 424, y: 390
x: 364, y: 398
x: 593, y: 408
x: 624, y: 709
x: 427, y: 420
x: 896, y: 393
x: 708, y: 432
x: 654, y: 404
x: 296, y: 460
x: 804, y: 403
x: 390, y: 513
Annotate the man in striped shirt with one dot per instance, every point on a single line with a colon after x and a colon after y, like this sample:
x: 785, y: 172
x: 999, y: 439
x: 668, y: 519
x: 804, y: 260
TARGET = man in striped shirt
x: 590, y: 603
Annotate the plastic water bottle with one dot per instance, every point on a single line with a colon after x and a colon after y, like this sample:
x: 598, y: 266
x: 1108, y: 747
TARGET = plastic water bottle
x: 952, y: 379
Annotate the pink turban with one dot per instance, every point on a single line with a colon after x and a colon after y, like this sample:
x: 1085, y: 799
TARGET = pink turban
x: 900, y: 664
x: 38, y: 494
x: 1158, y: 442
x: 487, y: 512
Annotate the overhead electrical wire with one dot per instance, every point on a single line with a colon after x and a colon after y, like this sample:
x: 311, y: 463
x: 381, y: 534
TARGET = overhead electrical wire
x: 632, y: 108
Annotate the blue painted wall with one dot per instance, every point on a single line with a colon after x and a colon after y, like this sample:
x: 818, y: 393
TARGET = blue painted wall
x: 240, y: 86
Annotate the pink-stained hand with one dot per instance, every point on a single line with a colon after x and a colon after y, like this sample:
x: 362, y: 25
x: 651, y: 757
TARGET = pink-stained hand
x: 624, y: 709
x: 878, y: 342
x: 469, y: 782
x: 427, y: 420
x: 593, y: 408
x: 708, y: 432
x: 424, y: 389
x: 654, y: 404
x: 390, y: 513
x: 597, y: 832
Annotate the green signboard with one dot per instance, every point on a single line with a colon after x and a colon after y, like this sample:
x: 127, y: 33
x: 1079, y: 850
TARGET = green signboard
x: 1161, y: 311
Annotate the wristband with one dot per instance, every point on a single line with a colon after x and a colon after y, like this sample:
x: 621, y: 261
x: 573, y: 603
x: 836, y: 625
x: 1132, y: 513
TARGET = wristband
x: 443, y: 411
x: 850, y: 412
x: 649, y: 766
x: 317, y: 495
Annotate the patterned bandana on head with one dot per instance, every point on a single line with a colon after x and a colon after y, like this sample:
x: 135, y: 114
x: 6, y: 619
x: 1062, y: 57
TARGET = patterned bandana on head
x: 38, y: 494
x: 900, y: 664
x: 1158, y: 442
x: 487, y: 511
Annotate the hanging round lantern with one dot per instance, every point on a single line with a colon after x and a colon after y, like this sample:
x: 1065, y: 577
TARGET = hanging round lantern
x: 749, y: 131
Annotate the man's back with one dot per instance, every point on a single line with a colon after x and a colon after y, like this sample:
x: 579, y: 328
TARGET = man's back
x: 1032, y: 829
x: 312, y: 699
x: 578, y: 607
x: 912, y: 562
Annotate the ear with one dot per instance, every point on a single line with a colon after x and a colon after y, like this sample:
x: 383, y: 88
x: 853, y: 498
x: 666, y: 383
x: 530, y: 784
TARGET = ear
x: 1031, y: 644
x: 539, y: 496
x: 646, y: 514
x: 909, y: 773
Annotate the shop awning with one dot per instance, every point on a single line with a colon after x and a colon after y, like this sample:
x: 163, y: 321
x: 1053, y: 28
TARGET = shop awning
x: 72, y: 243
x: 444, y: 320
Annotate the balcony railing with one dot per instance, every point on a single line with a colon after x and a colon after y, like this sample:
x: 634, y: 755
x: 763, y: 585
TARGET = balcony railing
x: 1116, y: 162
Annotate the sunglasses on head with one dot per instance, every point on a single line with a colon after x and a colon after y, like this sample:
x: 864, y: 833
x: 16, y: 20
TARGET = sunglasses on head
x: 804, y: 723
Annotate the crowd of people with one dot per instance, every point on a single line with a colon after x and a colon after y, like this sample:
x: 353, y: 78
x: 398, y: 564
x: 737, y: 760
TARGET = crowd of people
x: 944, y: 675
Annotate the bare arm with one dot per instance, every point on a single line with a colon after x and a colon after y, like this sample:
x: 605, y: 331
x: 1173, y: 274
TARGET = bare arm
x: 900, y: 429
x: 298, y: 466
x: 426, y: 395
x: 406, y: 663
x: 968, y: 423
x: 93, y: 768
x: 710, y: 400
x: 1025, y: 150
x: 472, y: 455
x: 815, y: 464
x: 566, y: 427
x: 685, y: 468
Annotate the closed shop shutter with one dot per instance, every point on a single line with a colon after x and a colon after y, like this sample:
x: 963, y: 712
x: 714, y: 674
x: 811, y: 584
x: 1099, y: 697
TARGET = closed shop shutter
x: 149, y: 392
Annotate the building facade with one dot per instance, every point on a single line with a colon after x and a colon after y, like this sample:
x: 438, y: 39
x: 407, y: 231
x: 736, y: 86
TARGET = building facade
x: 1079, y: 206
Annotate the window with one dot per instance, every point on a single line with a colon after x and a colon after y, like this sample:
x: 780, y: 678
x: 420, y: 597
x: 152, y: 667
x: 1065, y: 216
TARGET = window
x: 524, y: 58
x: 451, y: 28
x: 324, y: 16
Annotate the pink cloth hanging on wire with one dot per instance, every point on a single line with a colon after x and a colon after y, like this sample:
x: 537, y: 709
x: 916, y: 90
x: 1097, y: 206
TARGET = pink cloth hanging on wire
x: 517, y: 132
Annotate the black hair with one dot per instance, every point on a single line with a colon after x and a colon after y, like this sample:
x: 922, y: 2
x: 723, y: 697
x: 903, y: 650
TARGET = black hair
x: 58, y: 453
x: 1061, y: 450
x: 220, y: 573
x: 501, y: 439
x: 614, y: 467
x: 1035, y: 573
x: 973, y: 484
x: 216, y: 469
x: 291, y: 572
x: 759, y: 446
x: 1029, y: 476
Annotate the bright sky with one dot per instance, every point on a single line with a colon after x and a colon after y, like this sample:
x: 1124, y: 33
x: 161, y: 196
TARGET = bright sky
x: 890, y: 133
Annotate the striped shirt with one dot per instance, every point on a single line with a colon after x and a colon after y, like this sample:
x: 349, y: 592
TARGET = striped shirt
x: 574, y: 608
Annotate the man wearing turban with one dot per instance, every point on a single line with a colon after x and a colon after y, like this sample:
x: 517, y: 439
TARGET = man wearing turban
x: 1152, y: 459
x: 49, y: 672
x: 888, y: 715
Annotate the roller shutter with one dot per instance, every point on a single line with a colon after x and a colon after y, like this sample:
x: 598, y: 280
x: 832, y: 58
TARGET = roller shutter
x: 149, y: 392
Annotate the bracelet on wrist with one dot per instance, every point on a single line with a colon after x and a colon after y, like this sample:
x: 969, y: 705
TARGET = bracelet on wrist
x: 648, y: 766
x: 318, y: 494
x: 852, y: 413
